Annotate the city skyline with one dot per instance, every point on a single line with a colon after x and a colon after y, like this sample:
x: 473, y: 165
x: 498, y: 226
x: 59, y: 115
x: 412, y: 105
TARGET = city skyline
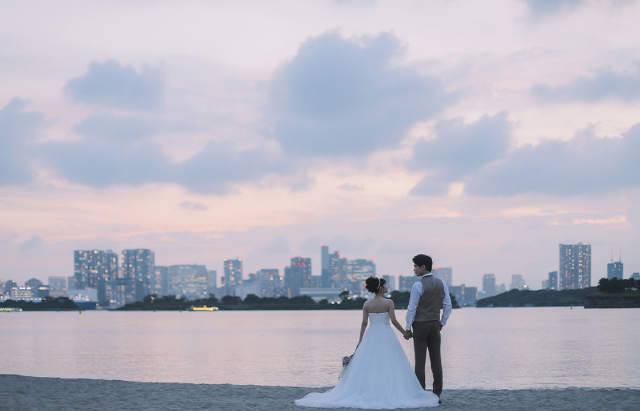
x: 482, y: 134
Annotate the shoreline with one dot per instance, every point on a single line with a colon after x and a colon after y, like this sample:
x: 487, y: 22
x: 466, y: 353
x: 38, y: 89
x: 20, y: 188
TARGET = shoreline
x: 44, y: 394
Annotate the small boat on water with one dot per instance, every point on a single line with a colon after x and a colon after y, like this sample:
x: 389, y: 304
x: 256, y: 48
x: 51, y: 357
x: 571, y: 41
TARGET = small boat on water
x: 9, y: 309
x: 202, y: 308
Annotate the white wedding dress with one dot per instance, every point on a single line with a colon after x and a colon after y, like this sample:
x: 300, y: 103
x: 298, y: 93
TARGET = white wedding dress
x: 379, y: 375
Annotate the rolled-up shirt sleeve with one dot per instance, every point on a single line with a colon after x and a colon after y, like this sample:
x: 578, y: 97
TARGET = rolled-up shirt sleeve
x: 414, y: 298
x: 446, y: 303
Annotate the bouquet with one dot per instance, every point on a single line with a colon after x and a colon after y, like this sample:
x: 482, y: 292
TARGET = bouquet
x: 345, y: 363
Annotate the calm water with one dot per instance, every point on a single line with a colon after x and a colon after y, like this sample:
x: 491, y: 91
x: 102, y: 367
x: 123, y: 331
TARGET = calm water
x: 482, y: 348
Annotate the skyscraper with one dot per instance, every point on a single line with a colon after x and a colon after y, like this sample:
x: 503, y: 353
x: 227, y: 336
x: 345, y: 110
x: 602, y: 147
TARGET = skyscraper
x: 89, y: 267
x: 298, y: 275
x: 552, y: 282
x: 444, y: 273
x: 325, y: 266
x: 615, y: 270
x: 232, y: 275
x: 269, y: 279
x: 188, y: 280
x: 517, y: 282
x: 575, y: 266
x: 358, y: 271
x: 489, y: 284
x: 137, y: 264
x: 160, y: 280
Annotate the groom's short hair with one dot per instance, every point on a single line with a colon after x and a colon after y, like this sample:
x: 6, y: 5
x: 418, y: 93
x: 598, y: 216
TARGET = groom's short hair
x: 422, y: 259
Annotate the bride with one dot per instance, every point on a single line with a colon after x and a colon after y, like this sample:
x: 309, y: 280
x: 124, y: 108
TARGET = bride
x: 379, y: 374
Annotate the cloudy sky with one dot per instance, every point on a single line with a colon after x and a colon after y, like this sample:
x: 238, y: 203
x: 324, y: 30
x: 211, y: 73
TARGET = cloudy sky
x: 482, y: 133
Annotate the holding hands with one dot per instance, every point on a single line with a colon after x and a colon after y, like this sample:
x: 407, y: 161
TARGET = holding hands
x: 407, y: 334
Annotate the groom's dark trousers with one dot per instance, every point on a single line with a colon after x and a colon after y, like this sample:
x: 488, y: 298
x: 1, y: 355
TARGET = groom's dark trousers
x: 426, y: 337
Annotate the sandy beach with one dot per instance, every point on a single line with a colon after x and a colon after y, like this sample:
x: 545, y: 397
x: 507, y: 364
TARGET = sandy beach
x: 21, y: 393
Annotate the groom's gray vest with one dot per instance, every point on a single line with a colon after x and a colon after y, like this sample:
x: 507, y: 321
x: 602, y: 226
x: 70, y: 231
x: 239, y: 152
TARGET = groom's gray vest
x: 431, y: 299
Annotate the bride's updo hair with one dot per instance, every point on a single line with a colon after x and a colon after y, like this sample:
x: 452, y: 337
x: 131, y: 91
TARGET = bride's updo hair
x: 373, y: 284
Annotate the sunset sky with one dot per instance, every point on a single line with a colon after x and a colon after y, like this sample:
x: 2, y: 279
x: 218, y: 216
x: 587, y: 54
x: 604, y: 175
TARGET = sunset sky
x: 483, y: 133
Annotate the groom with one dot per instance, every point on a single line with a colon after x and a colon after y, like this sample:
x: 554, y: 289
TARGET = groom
x: 423, y: 313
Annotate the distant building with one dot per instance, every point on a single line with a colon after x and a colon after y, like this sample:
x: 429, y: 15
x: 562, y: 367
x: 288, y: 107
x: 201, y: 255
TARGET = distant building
x: 575, y: 266
x: 318, y: 294
x: 270, y: 282
x: 232, y: 275
x: 445, y: 273
x: 212, y: 283
x: 160, y: 281
x: 464, y: 295
x: 502, y: 289
x: 22, y: 293
x: 57, y: 283
x: 489, y: 285
x: 137, y: 264
x: 517, y: 282
x: 325, y: 265
x: 9, y: 285
x: 120, y: 291
x: 188, y: 281
x: 71, y: 282
x: 33, y: 283
x: 358, y: 271
x: 391, y: 282
x: 89, y: 270
x: 405, y: 283
x: 635, y: 276
x: 615, y: 270
x: 297, y: 276
x: 552, y: 281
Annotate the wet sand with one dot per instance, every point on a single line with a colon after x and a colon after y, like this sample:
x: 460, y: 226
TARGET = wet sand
x: 21, y: 393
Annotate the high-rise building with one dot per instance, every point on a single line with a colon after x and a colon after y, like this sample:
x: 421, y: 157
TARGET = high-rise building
x: 615, y: 270
x: 444, y: 273
x: 137, y: 265
x: 325, y: 265
x: 552, y: 281
x: 517, y: 282
x: 391, y: 282
x: 298, y: 275
x: 464, y: 295
x: 269, y: 280
x: 89, y: 268
x: 232, y: 275
x: 212, y: 282
x: 160, y: 280
x: 575, y: 266
x: 489, y: 285
x: 405, y: 283
x: 188, y: 281
x: 358, y: 271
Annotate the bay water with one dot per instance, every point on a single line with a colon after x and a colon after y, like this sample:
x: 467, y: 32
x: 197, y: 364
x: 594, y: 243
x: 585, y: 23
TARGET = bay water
x: 490, y: 348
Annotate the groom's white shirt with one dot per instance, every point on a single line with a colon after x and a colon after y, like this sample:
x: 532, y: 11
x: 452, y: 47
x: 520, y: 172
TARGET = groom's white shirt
x: 416, y: 293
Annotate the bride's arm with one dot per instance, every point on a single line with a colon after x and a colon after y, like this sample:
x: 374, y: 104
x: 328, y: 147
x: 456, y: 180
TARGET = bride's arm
x: 365, y: 321
x: 392, y: 316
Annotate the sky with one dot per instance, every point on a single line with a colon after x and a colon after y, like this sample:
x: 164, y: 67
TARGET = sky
x: 484, y: 134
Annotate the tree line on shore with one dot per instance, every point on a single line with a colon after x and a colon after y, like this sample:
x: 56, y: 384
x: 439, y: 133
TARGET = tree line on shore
x: 553, y: 298
x: 253, y: 302
x: 47, y: 304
